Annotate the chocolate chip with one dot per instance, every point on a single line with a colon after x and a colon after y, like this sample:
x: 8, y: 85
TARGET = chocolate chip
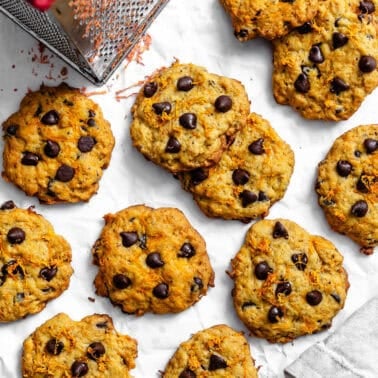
x: 371, y: 145
x: 91, y: 113
x: 283, y: 287
x: 187, y: 373
x: 19, y: 298
x: 359, y: 209
x: 338, y: 86
x: 12, y: 267
x: 300, y: 260
x: 367, y: 64
x: 12, y: 129
x: 247, y: 197
x: 150, y: 89
x: 188, y: 121
x: 361, y: 187
x: 198, y: 175
x: 86, y: 143
x: 187, y: 251
x: 223, y: 103
x: 198, y: 285
x: 54, y: 347
x: 240, y: 176
x: 185, y: 83
x: 153, y: 260
x: 38, y: 111
x: 314, y: 297
x: 120, y: 281
x: 29, y: 158
x: 302, y: 84
x: 91, y: 122
x: 51, y: 149
x: 336, y: 297
x: 50, y: 118
x: 257, y: 147
x: 243, y: 33
x: 79, y: 369
x: 162, y: 107
x: 102, y: 325
x: 344, y: 168
x: 305, y: 28
x: 217, y: 362
x: 161, y: 291
x: 48, y: 273
x: 16, y: 235
x: 357, y: 153
x: 367, y: 7
x: 274, y: 314
x: 64, y: 173
x: 95, y: 350
x: 339, y: 40
x: 248, y: 304
x: 316, y: 55
x: 263, y: 197
x: 279, y: 231
x: 173, y: 146
x: 262, y: 269
x: 8, y: 205
x: 129, y: 238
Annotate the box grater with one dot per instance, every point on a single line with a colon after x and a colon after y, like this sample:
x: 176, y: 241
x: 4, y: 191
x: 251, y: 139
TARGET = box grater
x: 93, y: 36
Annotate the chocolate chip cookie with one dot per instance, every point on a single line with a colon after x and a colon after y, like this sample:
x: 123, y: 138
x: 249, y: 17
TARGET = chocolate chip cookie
x: 288, y: 283
x: 90, y: 347
x: 250, y: 177
x: 268, y: 19
x: 185, y: 117
x: 34, y: 262
x: 218, y: 351
x: 326, y: 67
x: 151, y: 260
x: 347, y: 186
x: 57, y: 145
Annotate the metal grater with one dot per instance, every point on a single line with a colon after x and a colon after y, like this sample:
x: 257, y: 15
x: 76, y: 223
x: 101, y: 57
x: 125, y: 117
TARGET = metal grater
x: 94, y: 38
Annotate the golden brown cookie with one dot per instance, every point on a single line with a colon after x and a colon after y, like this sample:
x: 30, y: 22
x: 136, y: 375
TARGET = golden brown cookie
x: 288, y: 283
x: 268, y: 19
x: 151, y: 260
x: 185, y: 117
x: 347, y: 186
x: 251, y: 176
x: 57, y: 145
x: 218, y: 351
x: 34, y: 262
x: 90, y: 347
x: 328, y: 66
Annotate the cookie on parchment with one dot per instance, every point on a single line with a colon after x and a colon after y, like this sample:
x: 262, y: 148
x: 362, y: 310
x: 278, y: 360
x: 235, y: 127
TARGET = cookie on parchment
x: 251, y: 176
x: 326, y: 68
x: 151, y: 260
x: 218, y: 351
x: 288, y: 283
x: 57, y: 145
x: 185, y: 117
x: 34, y: 262
x: 268, y: 19
x: 90, y: 347
x: 347, y: 186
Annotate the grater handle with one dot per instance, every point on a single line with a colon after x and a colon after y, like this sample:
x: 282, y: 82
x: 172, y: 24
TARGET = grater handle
x: 42, y: 5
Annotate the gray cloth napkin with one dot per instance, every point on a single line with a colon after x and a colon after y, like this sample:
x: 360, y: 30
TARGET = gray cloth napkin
x: 352, y: 351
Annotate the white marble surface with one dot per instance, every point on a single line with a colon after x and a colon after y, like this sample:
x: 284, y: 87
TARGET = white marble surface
x: 195, y: 31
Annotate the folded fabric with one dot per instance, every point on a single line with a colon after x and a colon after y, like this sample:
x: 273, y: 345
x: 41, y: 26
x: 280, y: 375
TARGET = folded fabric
x: 352, y: 351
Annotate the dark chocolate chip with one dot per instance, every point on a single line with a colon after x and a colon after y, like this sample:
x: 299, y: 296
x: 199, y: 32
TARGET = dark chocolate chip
x: 300, y: 260
x: 344, y: 168
x: 13, y: 268
x: 91, y: 113
x: 336, y: 297
x: 185, y: 83
x: 19, y: 298
x: 48, y: 273
x: 240, y: 176
x: 95, y: 350
x: 12, y: 129
x: 257, y: 147
x: 50, y: 118
x: 173, y: 146
x: 357, y: 153
x: 262, y: 269
x: 187, y: 251
x: 367, y: 7
x: 86, y: 143
x: 29, y: 158
x: 274, y: 314
x: 161, y: 291
x: 263, y: 196
x: 359, y: 209
x: 79, y: 369
x: 120, y: 281
x: 305, y: 28
x: 16, y: 235
x: 361, y: 187
x: 283, y: 288
x: 188, y: 121
x: 64, y: 173
x: 51, y: 149
x: 102, y: 325
x: 198, y: 175
x: 316, y: 55
x: 367, y: 64
x: 314, y: 297
x: 8, y: 205
x: 279, y: 231
x: 68, y: 102
x: 223, y: 104
x: 248, y: 304
x: 187, y: 373
x: 243, y: 33
x: 129, y: 238
x: 54, y: 347
x: 38, y: 111
x: 371, y: 145
x: 150, y: 89
x: 217, y: 362
x: 153, y: 260
x: 91, y: 122
x: 339, y: 40
x: 338, y: 85
x: 162, y: 107
x: 198, y: 285
x: 302, y: 84
x: 247, y: 197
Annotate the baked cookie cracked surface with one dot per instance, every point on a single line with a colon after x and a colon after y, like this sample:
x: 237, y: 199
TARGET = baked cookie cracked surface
x: 326, y: 67
x: 90, y: 347
x: 251, y: 176
x: 57, y: 145
x: 288, y: 283
x: 151, y: 260
x: 218, y: 351
x: 347, y: 186
x: 34, y: 262
x: 185, y: 117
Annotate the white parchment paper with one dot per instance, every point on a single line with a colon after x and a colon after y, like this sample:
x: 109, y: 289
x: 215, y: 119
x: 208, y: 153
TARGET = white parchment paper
x: 196, y: 31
